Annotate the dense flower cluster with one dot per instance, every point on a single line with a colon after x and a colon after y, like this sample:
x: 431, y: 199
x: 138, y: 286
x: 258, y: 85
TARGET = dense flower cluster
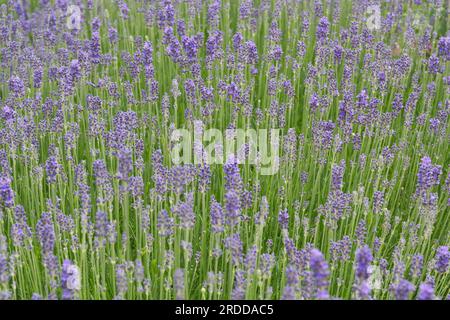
x: 92, y: 205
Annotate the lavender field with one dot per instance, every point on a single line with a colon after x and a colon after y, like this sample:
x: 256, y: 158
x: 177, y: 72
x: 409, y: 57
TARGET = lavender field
x: 345, y: 193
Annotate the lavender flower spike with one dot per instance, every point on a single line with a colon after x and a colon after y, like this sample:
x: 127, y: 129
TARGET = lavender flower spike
x: 70, y: 280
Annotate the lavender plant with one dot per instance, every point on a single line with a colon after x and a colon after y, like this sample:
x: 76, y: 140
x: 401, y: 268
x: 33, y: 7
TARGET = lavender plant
x: 93, y: 206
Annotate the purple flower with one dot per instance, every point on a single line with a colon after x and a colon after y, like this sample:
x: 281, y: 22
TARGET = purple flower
x: 204, y: 177
x: 442, y: 259
x: 37, y: 77
x: 320, y: 273
x: 245, y: 9
x: 301, y: 48
x: 94, y: 103
x: 403, y: 289
x: 95, y: 48
x: 237, y: 41
x: 4, y: 266
x: 213, y: 44
x: 217, y: 216
x: 274, y: 32
x: 173, y: 47
x: 16, y: 86
x: 20, y: 230
x: 191, y: 47
x: 46, y: 236
x: 251, y: 53
x: 46, y: 232
x: 292, y: 275
x: 185, y: 212
x: 426, y: 292
x: 123, y: 9
x: 444, y: 47
x: 314, y: 102
x: 337, y: 174
x: 266, y: 264
x: 240, y: 284
x: 288, y: 293
x: 323, y: 28
x: 337, y: 204
x: 136, y: 186
x: 283, y: 218
x: 428, y: 175
x: 70, y: 280
x: 180, y: 176
x: 416, y: 265
x: 323, y: 134
x: 165, y: 224
x: 251, y: 259
x: 160, y: 173
x: 361, y: 231
x: 340, y: 250
x: 104, y: 230
x: 234, y: 244
x: 338, y: 52
x: 75, y: 71
x: 363, y: 260
x: 378, y: 201
x: 6, y: 191
x: 121, y: 281
x: 125, y: 166
x: 213, y: 13
x: 232, y: 208
x: 233, y: 180
x: 363, y: 290
x: 433, y: 64
x: 112, y: 35
x: 276, y: 53
x: 102, y: 176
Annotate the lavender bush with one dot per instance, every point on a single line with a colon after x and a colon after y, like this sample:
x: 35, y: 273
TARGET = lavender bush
x: 93, y: 207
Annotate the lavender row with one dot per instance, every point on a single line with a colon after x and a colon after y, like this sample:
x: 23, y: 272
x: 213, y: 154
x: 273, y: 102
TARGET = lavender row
x: 93, y: 204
